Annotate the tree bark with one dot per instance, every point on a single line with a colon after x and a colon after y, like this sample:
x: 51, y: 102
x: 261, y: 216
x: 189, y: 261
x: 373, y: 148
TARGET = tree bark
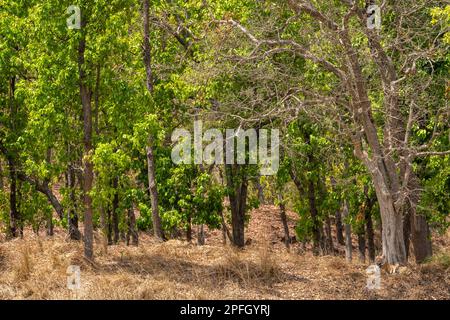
x: 238, y: 203
x: 88, y: 172
x: 348, y: 234
x: 132, y: 230
x: 13, y: 211
x: 157, y: 225
x: 115, y: 212
x: 72, y: 215
x: 362, y: 246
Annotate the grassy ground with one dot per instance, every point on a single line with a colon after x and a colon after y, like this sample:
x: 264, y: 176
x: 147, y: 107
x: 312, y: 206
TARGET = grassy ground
x: 35, y: 268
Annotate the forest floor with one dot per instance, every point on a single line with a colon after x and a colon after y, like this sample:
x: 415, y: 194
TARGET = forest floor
x: 35, y: 268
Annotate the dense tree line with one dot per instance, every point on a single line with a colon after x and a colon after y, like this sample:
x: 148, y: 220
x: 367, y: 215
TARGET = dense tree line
x: 87, y: 117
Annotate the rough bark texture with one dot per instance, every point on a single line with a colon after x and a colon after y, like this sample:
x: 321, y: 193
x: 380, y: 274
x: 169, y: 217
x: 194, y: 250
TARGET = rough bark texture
x: 88, y: 173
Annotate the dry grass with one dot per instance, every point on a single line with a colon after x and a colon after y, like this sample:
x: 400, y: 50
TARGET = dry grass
x: 35, y: 268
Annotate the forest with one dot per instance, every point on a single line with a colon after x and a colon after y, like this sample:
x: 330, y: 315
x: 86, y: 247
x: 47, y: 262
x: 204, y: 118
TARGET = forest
x: 204, y: 149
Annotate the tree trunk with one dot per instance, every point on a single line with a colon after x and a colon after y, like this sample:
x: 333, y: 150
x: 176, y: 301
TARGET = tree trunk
x: 157, y: 225
x: 200, y: 235
x: 132, y: 230
x: 13, y: 212
x: 329, y: 236
x: 238, y: 203
x: 348, y: 234
x: 393, y: 243
x: 339, y: 227
x: 72, y: 215
x: 287, y: 237
x: 2, y: 184
x: 189, y: 228
x: 115, y: 211
x: 421, y: 238
x: 88, y: 173
x: 362, y: 246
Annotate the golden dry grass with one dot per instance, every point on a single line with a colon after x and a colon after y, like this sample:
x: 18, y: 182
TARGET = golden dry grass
x: 35, y: 268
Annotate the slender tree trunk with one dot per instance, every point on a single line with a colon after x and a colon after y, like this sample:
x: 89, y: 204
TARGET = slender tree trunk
x: 13, y: 212
x: 362, y: 246
x: 339, y: 228
x: 407, y: 229
x: 109, y: 233
x: 157, y: 225
x: 189, y: 228
x: 2, y: 184
x: 348, y: 234
x: 72, y: 219
x: 132, y: 230
x: 88, y: 173
x: 115, y: 211
x: 287, y: 237
x: 329, y: 236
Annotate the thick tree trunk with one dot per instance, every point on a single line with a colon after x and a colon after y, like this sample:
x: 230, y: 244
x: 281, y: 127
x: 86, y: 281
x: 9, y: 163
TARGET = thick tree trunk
x: 238, y: 203
x: 393, y: 243
x: 88, y: 172
x: 421, y: 238
x: 283, y: 217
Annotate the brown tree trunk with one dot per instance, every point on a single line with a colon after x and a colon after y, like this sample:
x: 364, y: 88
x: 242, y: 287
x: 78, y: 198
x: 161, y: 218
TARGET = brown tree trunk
x: 13, y: 211
x: 157, y: 225
x: 200, y: 235
x: 348, y: 234
x: 88, y: 172
x: 189, y: 228
x: 287, y: 237
x: 132, y: 230
x: 115, y: 212
x: 339, y: 228
x: 421, y: 238
x: 72, y: 215
x: 238, y: 203
x: 362, y: 246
